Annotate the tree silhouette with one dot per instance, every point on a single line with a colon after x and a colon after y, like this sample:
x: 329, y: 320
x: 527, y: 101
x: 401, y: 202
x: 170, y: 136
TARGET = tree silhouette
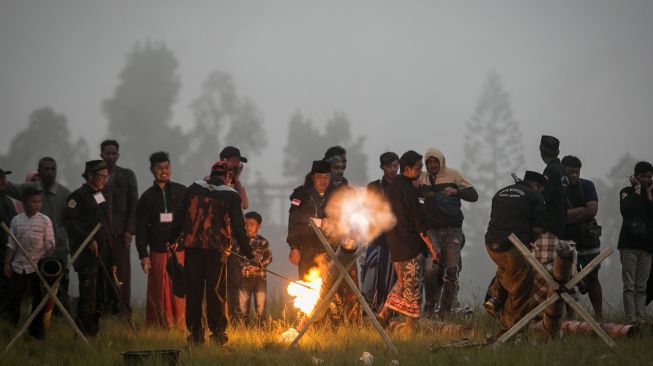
x: 140, y: 110
x: 306, y: 143
x: 220, y: 107
x: 47, y: 134
x: 493, y: 149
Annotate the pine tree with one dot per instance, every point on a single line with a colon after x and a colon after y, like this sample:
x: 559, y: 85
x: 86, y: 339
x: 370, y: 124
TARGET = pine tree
x: 220, y: 108
x: 47, y: 134
x: 140, y: 111
x: 306, y: 143
x: 493, y: 149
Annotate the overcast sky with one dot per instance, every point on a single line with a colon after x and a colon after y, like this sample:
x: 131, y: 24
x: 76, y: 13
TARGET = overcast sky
x: 407, y: 73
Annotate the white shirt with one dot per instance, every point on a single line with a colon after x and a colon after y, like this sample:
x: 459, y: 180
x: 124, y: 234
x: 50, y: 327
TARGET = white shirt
x: 36, y: 236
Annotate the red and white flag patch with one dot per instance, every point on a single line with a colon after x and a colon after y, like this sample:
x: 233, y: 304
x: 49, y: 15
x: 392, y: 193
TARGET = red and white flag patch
x: 295, y: 202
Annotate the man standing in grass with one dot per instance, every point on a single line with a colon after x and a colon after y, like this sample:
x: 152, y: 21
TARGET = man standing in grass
x: 406, y: 241
x: 154, y: 216
x: 209, y: 219
x: 54, y: 196
x: 122, y: 194
x: 86, y: 207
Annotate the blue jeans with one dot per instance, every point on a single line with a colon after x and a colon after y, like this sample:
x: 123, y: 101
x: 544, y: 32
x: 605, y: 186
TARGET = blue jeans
x: 441, y: 278
x: 252, y: 286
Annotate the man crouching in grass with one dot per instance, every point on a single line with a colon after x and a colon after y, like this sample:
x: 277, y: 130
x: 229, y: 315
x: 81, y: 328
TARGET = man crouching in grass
x: 34, y: 231
x: 518, y: 209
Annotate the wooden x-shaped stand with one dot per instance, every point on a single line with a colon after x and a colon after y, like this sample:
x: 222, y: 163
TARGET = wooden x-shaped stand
x: 344, y: 275
x: 561, y: 292
x: 52, y: 294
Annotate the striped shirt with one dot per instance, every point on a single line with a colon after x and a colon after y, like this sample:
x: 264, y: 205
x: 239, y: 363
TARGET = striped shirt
x: 36, y: 236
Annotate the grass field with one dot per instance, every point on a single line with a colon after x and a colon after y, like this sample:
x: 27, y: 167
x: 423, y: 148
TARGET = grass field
x: 332, y: 345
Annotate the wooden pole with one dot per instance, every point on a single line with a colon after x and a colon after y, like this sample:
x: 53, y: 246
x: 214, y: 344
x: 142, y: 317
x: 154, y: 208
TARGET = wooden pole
x: 51, y: 293
x: 539, y: 268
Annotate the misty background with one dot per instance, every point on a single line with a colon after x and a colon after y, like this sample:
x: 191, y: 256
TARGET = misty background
x: 283, y: 80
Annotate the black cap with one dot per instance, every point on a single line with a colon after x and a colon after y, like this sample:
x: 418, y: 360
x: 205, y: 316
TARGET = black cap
x: 550, y: 145
x: 535, y: 177
x: 230, y: 152
x: 5, y: 172
x: 643, y: 167
x: 388, y: 157
x: 93, y: 166
x: 321, y: 166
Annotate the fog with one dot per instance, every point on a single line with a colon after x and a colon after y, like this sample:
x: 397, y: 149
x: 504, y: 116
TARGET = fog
x: 408, y: 75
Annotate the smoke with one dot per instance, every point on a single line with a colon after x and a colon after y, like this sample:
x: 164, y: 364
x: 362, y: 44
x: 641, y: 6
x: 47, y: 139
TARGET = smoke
x: 358, y: 214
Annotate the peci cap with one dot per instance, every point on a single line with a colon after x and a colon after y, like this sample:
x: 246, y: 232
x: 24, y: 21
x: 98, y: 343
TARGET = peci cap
x: 230, y: 152
x: 550, y: 145
x: 535, y: 177
x: 93, y: 166
x: 321, y: 166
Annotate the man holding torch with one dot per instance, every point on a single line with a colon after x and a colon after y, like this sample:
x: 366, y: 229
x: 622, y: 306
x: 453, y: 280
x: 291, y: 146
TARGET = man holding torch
x: 208, y: 221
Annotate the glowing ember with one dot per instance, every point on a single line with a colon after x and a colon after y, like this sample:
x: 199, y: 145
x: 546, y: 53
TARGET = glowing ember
x: 306, y: 299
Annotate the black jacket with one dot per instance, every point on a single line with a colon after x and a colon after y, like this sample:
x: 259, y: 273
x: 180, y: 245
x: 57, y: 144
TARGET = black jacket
x: 380, y: 187
x: 305, y: 203
x: 122, y: 193
x: 515, y: 209
x: 209, y: 217
x: 150, y: 231
x: 436, y: 215
x: 635, y: 208
x: 555, y: 198
x: 80, y: 216
x: 404, y: 239
x: 7, y: 212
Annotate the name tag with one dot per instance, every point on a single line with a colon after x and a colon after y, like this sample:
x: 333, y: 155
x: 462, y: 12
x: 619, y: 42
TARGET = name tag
x: 166, y: 216
x: 99, y: 197
x: 421, y: 200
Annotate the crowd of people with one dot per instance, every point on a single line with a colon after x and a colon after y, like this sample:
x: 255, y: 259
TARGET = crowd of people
x: 410, y: 271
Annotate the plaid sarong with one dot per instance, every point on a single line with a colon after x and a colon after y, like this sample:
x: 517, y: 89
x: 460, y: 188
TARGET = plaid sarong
x: 545, y: 248
x: 406, y: 295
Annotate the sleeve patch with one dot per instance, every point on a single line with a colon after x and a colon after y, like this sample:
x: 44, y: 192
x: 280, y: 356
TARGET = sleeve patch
x: 296, y: 202
x: 72, y: 203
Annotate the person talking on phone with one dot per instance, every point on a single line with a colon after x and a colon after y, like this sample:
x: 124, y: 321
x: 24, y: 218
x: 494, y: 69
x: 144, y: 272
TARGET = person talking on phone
x: 636, y: 240
x: 235, y: 166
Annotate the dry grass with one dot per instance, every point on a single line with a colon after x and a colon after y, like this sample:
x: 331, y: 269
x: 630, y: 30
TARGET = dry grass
x: 334, y: 345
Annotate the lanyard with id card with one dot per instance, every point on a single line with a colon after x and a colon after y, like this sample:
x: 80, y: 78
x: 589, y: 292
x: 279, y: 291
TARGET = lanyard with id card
x: 99, y: 197
x: 165, y: 216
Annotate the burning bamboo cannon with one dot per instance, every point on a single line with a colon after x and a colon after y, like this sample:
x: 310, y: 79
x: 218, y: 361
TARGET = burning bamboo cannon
x: 562, y: 272
x: 612, y: 329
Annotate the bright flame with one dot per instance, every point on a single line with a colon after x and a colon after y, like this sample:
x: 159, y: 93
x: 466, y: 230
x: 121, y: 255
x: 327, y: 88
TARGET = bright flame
x: 305, y: 298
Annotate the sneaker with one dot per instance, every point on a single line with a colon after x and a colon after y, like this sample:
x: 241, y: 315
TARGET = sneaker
x: 491, y: 307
